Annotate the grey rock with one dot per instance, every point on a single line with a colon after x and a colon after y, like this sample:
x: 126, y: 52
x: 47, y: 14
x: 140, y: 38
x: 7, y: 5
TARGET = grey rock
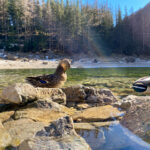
x: 60, y: 135
x: 59, y: 128
x: 23, y: 93
x: 22, y: 129
x: 102, y: 96
x: 81, y: 93
x: 47, y: 143
x: 137, y: 118
x: 75, y: 93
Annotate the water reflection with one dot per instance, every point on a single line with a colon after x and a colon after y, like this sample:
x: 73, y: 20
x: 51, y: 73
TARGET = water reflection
x: 116, y: 137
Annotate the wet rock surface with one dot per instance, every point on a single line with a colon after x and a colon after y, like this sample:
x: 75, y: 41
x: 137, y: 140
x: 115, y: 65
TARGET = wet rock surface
x: 37, y: 118
x: 59, y: 135
x: 137, y: 118
x: 100, y: 113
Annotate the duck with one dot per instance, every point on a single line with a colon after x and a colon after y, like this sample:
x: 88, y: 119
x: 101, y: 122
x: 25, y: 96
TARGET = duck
x: 142, y: 84
x: 55, y: 80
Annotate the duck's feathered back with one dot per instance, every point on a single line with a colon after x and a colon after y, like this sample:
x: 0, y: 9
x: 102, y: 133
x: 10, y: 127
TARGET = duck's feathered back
x: 53, y: 80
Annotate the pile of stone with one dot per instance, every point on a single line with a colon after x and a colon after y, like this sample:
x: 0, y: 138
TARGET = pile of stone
x: 46, y: 118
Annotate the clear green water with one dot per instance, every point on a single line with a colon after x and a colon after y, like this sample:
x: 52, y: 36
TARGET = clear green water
x: 119, y: 80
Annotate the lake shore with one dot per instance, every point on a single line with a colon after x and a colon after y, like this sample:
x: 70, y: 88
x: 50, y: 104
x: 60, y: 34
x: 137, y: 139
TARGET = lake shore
x: 80, y: 63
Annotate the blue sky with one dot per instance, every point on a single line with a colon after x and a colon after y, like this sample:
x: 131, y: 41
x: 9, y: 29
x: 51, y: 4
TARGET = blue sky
x: 135, y: 4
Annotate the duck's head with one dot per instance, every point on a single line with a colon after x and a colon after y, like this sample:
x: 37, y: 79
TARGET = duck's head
x: 65, y: 64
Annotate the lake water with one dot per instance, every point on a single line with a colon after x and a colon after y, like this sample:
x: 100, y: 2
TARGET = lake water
x: 114, y: 137
x: 119, y: 80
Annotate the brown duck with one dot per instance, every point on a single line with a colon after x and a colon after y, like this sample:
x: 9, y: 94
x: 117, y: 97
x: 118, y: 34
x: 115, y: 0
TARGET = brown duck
x: 55, y: 80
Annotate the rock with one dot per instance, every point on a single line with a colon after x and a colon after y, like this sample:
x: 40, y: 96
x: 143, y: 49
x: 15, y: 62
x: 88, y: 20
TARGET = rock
x: 130, y: 59
x: 11, y: 57
x: 101, y: 113
x: 4, y: 116
x: 95, y: 61
x: 93, y: 125
x: 137, y: 118
x: 81, y: 93
x: 45, y: 63
x: 123, y: 105
x: 47, y: 143
x: 45, y: 104
x: 59, y: 128
x: 22, y: 93
x: 102, y: 96
x: 83, y: 106
x: 5, y: 138
x: 71, y: 104
x: 75, y: 93
x: 22, y: 129
x: 25, y: 60
x: 49, y: 104
x: 41, y: 115
x: 60, y: 135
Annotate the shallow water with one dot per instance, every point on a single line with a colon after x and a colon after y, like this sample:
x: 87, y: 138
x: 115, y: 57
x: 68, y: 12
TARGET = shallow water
x: 115, y: 137
x: 119, y: 80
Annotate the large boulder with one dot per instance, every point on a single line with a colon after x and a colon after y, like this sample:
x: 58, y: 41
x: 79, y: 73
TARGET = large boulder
x: 59, y: 135
x: 101, y: 113
x: 23, y: 93
x: 137, y: 118
x: 5, y: 138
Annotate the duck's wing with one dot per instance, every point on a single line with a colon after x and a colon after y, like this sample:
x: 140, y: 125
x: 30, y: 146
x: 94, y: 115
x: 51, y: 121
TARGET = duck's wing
x: 42, y: 81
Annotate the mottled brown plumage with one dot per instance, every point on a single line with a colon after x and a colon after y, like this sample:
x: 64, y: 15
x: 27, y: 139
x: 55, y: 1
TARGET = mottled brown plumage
x: 55, y: 80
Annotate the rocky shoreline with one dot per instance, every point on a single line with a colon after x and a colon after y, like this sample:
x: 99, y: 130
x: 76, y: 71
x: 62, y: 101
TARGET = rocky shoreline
x: 14, y: 61
x: 46, y: 118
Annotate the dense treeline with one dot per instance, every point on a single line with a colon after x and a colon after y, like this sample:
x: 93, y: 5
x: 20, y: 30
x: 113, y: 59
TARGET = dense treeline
x: 63, y: 26
x: 35, y: 25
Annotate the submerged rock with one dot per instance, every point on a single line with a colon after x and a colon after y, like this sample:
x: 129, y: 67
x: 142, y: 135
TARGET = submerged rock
x: 101, y: 113
x: 137, y: 118
x: 60, y: 135
x: 23, y: 93
x: 93, y: 125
